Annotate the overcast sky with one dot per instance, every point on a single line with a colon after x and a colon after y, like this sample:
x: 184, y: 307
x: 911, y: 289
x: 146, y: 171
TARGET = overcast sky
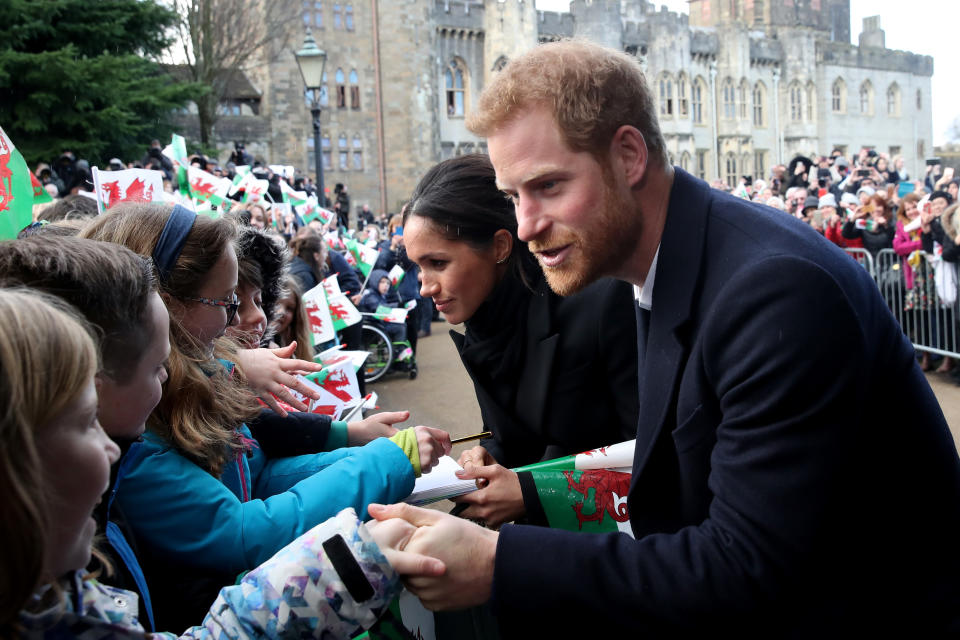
x: 929, y: 27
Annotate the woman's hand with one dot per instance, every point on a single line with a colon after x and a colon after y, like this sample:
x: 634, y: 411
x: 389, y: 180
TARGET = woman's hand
x: 499, y: 500
x: 432, y: 444
x: 379, y: 425
x: 271, y: 372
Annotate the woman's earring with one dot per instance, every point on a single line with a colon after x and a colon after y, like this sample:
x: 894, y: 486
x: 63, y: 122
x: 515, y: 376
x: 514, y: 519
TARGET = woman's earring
x: 501, y: 260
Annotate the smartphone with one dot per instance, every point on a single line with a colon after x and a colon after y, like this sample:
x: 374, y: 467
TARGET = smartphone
x: 398, y: 231
x: 863, y: 173
x: 934, y: 161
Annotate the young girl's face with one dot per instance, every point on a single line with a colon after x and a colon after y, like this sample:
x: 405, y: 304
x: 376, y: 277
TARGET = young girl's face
x: 251, y: 320
x: 126, y: 403
x: 75, y: 455
x: 288, y: 307
x: 383, y: 286
x: 205, y: 321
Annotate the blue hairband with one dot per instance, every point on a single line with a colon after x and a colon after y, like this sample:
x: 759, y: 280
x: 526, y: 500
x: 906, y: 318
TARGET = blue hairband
x: 172, y: 239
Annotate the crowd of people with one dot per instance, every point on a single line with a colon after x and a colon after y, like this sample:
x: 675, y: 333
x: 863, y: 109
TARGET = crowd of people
x: 610, y: 296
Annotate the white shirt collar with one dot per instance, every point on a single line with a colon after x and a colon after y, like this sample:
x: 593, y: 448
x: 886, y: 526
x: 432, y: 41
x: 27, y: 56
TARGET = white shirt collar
x: 644, y: 294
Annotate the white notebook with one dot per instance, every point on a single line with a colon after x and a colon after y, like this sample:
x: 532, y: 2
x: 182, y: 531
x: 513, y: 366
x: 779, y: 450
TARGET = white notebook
x: 440, y: 484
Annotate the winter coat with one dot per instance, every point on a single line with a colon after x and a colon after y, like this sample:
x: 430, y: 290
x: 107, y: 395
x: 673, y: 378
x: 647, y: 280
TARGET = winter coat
x: 301, y: 579
x: 196, y: 532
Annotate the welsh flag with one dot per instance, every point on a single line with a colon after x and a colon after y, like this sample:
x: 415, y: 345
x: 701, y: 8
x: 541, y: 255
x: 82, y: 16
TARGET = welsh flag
x: 339, y: 382
x: 328, y: 404
x: 389, y: 314
x: 330, y: 286
x: 253, y: 189
x: 396, y: 275
x: 588, y: 491
x: 206, y: 187
x: 321, y: 324
x: 334, y: 241
x: 16, y: 190
x: 40, y: 195
x: 342, y: 311
x: 291, y: 195
x: 365, y: 257
x: 128, y: 185
x: 311, y: 210
x: 336, y: 355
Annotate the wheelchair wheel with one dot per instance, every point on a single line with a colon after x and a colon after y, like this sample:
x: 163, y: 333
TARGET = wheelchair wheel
x: 378, y: 344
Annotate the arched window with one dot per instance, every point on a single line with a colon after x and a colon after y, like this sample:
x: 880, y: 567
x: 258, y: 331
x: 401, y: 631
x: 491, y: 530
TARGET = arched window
x: 866, y: 98
x: 354, y: 90
x: 324, y: 94
x: 757, y: 12
x: 731, y: 173
x: 340, y: 80
x: 348, y: 18
x: 742, y: 102
x: 796, y: 102
x: 685, y: 161
x: 337, y: 16
x: 759, y: 98
x: 357, y: 153
x: 683, y: 103
x: 745, y: 165
x: 811, y: 102
x: 343, y: 152
x: 500, y: 63
x: 919, y: 100
x: 455, y: 81
x: 699, y: 91
x: 666, y: 95
x: 729, y: 100
x: 893, y: 100
x: 838, y: 96
x: 325, y: 148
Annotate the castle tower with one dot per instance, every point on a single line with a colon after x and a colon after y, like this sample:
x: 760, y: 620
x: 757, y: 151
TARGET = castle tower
x: 598, y: 21
x: 510, y: 28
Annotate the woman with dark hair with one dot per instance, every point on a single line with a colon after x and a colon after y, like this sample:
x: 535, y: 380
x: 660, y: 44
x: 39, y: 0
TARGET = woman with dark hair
x: 553, y: 375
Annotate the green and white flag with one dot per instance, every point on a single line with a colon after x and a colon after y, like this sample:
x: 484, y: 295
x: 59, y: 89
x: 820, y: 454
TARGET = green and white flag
x: 291, y: 195
x: 343, y: 313
x: 588, y: 491
x: 364, y: 258
x: 16, y: 190
x: 318, y: 314
x: 177, y: 152
x: 389, y: 314
x: 206, y: 187
x: 396, y: 275
x: 127, y: 185
x: 40, y: 195
x: 253, y: 189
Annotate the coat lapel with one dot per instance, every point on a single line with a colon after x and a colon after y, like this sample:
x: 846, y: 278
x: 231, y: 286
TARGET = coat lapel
x: 678, y: 269
x: 542, y: 345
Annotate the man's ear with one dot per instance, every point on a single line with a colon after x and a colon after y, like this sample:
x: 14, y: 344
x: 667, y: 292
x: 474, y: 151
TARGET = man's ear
x: 502, y: 245
x: 628, y: 152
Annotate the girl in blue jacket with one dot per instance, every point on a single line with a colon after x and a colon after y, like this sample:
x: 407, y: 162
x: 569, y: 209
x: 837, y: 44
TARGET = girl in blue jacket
x: 203, y: 500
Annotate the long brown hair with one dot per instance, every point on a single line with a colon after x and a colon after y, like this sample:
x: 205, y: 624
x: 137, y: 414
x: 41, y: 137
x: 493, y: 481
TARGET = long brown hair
x: 299, y: 328
x: 304, y: 247
x: 47, y: 357
x: 202, y: 403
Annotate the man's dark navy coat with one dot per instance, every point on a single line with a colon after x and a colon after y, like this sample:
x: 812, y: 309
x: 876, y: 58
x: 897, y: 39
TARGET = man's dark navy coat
x: 793, y: 474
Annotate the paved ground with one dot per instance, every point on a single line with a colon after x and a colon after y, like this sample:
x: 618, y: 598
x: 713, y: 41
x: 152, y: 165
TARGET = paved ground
x: 442, y: 395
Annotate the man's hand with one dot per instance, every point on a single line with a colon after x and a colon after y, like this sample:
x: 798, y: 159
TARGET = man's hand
x: 466, y: 551
x: 392, y: 536
x: 500, y: 500
x: 432, y: 444
x: 271, y: 372
x: 379, y: 425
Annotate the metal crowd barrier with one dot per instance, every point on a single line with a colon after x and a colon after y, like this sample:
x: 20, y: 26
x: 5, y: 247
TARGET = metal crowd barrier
x: 929, y: 322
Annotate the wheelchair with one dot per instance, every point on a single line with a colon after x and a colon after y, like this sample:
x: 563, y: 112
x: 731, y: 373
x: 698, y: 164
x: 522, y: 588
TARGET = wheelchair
x: 385, y: 354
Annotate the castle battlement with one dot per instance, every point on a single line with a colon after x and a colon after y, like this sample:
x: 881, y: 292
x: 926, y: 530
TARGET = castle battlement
x: 848, y: 55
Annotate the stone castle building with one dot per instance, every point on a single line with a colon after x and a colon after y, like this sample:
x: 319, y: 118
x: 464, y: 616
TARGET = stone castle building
x: 741, y: 84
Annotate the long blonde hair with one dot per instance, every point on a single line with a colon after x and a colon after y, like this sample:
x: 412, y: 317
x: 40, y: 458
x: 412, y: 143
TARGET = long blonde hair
x: 202, y: 404
x: 47, y: 357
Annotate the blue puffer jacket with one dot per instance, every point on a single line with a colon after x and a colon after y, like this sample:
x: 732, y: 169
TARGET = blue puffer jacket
x: 179, y: 511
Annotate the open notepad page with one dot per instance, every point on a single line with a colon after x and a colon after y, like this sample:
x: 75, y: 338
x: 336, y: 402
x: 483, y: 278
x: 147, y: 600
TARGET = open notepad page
x: 440, y: 484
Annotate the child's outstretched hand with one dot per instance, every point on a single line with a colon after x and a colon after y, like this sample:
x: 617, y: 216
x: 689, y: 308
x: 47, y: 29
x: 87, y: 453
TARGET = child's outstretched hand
x: 375, y: 426
x: 271, y: 372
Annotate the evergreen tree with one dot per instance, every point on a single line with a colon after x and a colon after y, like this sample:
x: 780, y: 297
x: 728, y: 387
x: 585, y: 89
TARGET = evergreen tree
x: 81, y: 75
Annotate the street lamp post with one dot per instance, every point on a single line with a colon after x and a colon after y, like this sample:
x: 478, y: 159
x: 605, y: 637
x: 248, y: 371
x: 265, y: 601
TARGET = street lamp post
x: 311, y: 60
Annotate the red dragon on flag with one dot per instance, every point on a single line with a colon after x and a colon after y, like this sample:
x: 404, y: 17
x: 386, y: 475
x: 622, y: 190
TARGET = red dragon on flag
x: 610, y: 489
x: 335, y: 384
